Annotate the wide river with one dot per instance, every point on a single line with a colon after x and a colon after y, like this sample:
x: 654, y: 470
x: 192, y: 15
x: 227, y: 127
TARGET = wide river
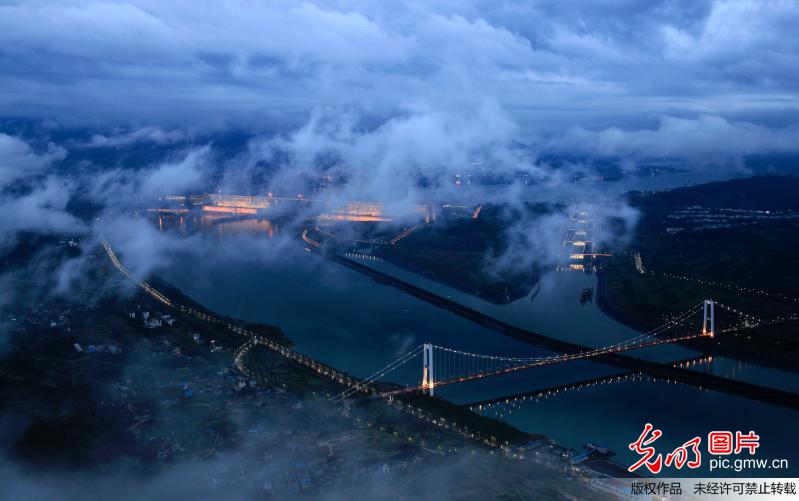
x: 347, y: 320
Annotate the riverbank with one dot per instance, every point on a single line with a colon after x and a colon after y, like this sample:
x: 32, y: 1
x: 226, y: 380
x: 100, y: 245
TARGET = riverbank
x: 459, y: 422
x: 604, y: 301
x: 658, y: 370
x: 128, y: 387
x: 349, y: 320
x: 486, y: 430
x: 725, y: 241
x: 640, y: 301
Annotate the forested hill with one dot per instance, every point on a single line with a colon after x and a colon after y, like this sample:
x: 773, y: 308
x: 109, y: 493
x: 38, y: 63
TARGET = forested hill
x: 754, y: 193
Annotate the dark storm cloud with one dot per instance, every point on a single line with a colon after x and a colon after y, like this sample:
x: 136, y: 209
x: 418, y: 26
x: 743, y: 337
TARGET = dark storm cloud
x: 391, y: 91
x: 553, y: 66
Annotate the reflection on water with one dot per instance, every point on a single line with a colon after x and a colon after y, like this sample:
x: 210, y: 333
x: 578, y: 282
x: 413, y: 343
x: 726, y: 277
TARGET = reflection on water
x: 554, y: 307
x: 614, y: 414
x: 347, y: 320
x: 752, y: 372
x: 221, y: 224
x: 558, y: 312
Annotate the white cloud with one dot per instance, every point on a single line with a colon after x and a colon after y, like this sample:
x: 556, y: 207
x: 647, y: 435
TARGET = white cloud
x: 271, y: 63
x: 706, y: 135
x: 121, y: 188
x: 43, y: 211
x: 387, y: 161
x: 176, y: 177
x: 19, y: 161
x: 149, y: 134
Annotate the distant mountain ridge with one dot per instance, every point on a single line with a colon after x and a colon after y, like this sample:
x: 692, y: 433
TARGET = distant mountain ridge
x: 754, y: 193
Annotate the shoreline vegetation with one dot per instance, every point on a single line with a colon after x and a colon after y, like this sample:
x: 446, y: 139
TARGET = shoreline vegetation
x: 125, y: 385
x: 655, y: 369
x: 709, y: 243
x: 491, y: 427
x: 498, y: 430
x: 458, y: 249
x: 725, y: 241
x: 489, y: 432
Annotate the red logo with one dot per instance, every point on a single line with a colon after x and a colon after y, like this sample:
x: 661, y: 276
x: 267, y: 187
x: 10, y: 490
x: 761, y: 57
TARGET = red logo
x: 641, y: 447
x: 680, y: 455
x: 749, y: 441
x: 719, y: 442
x: 689, y: 454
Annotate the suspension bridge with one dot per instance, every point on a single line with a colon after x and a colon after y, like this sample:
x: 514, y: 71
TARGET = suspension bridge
x: 551, y: 391
x: 731, y: 321
x: 443, y: 366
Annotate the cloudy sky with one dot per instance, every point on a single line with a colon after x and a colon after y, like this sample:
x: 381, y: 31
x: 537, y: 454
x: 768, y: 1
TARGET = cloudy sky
x: 576, y: 72
x: 391, y: 90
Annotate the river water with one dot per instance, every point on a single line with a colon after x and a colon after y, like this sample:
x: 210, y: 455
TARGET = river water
x: 345, y: 319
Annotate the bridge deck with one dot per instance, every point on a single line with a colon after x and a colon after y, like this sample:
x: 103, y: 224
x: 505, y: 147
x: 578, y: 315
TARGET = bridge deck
x: 699, y: 379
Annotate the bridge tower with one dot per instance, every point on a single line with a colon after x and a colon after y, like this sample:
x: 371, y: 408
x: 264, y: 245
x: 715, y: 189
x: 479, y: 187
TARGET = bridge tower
x: 427, y: 367
x: 709, y: 318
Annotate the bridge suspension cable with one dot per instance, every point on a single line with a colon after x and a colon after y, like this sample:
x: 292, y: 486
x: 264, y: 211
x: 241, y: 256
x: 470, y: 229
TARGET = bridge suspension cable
x: 362, y: 385
x: 448, y: 366
x: 631, y: 341
x: 747, y: 321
